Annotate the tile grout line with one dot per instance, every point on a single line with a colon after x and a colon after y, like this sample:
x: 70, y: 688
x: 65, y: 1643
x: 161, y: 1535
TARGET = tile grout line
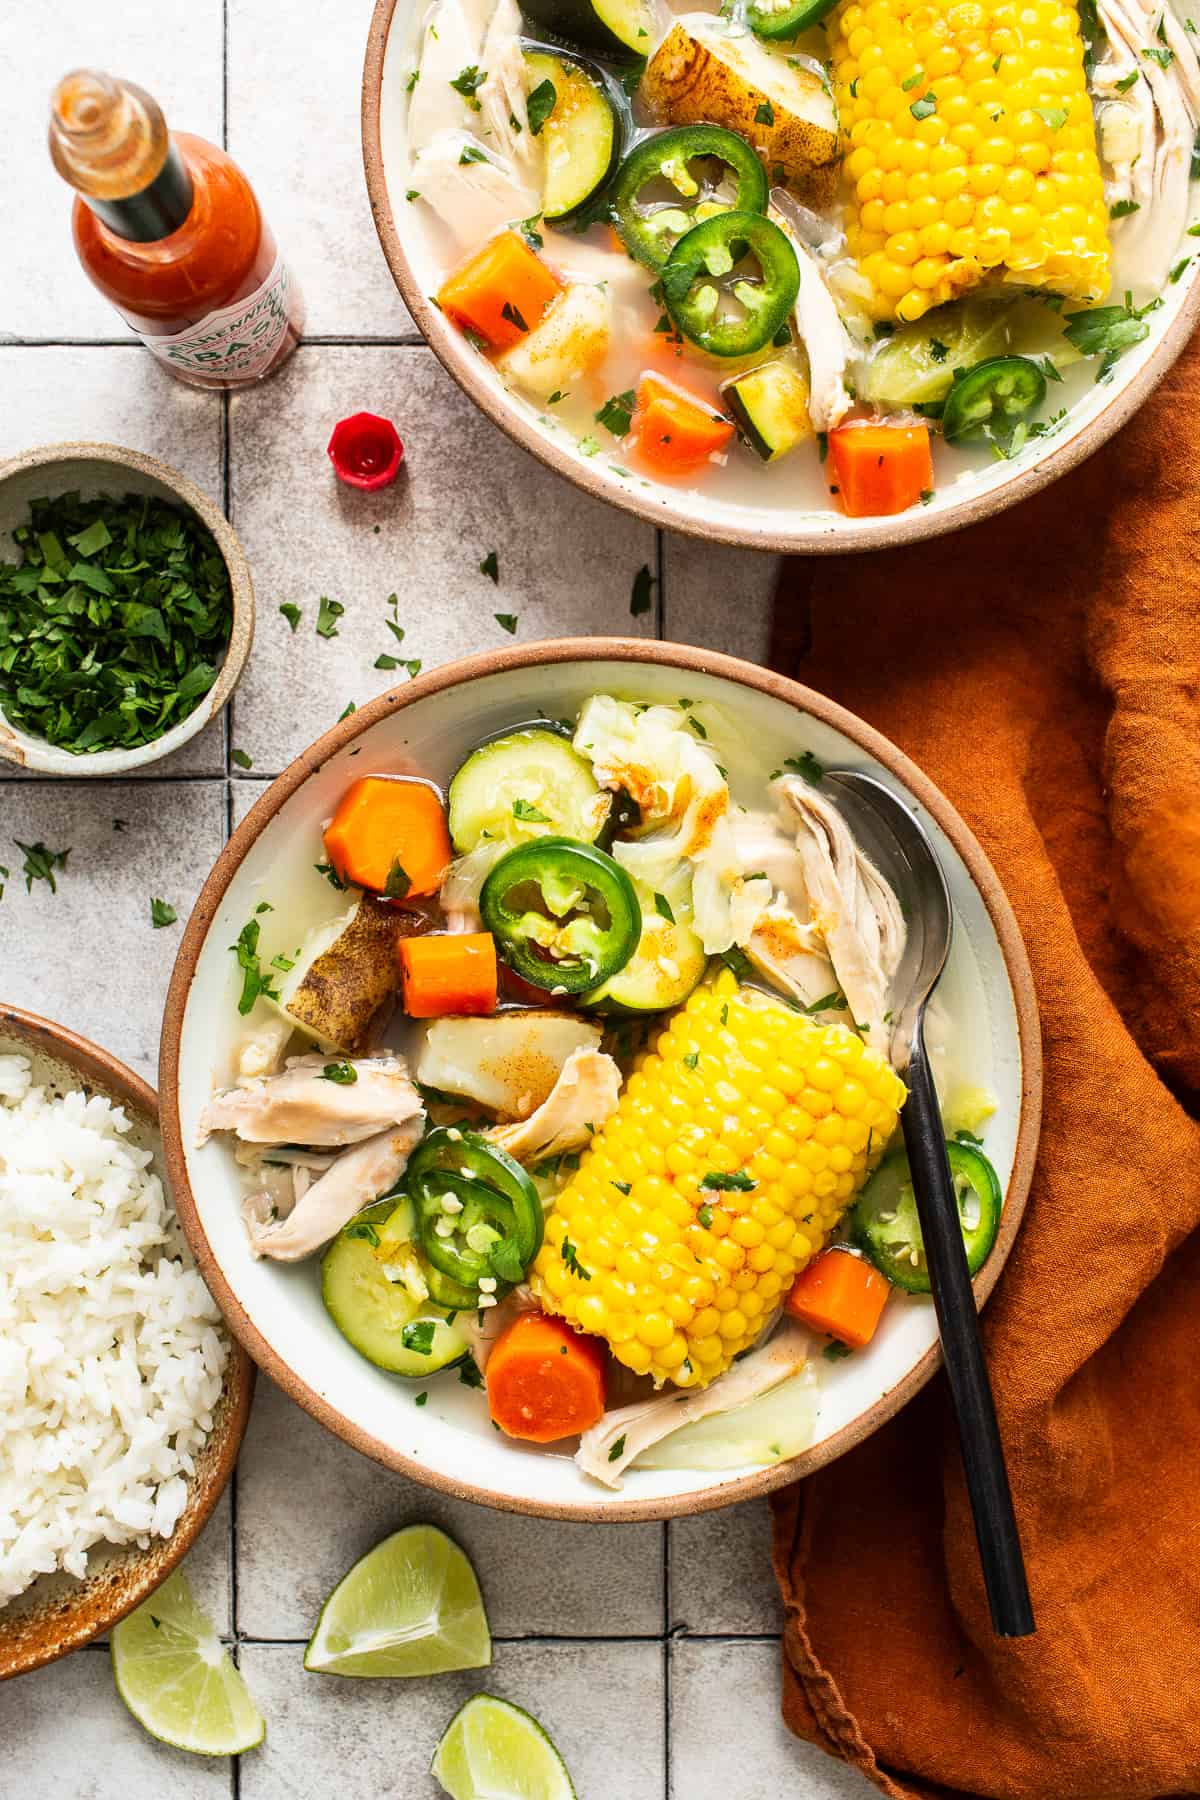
x: 244, y: 1640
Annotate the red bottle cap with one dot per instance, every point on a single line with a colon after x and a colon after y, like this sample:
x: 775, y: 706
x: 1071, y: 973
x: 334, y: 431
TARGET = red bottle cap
x: 366, y: 451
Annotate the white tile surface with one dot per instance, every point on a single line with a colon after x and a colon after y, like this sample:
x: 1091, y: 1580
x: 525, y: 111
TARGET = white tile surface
x: 540, y: 1577
x: 721, y: 1579
x: 566, y: 562
x: 170, y: 47
x: 316, y: 60
x: 717, y: 596
x: 727, y: 1735
x: 601, y: 1703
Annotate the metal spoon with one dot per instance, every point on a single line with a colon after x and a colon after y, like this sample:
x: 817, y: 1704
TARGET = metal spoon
x: 900, y: 847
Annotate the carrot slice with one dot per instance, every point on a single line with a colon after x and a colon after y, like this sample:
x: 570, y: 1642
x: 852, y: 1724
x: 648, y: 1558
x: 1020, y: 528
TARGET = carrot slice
x: 676, y: 432
x: 389, y: 834
x: 881, y: 468
x: 501, y: 292
x: 545, y: 1381
x: 449, y: 973
x: 841, y: 1294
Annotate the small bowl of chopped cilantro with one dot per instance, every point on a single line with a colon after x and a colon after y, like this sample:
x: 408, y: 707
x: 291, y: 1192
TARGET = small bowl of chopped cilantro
x: 126, y: 610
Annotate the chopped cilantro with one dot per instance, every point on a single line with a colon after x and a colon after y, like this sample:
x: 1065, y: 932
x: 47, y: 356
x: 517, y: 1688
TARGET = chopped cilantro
x: 506, y: 621
x: 417, y: 1336
x: 765, y: 114
x: 641, y: 598
x: 398, y: 882
x: 162, y: 913
x: 490, y: 566
x: 540, y: 104
x: 662, y: 907
x: 528, y: 813
x: 254, y: 981
x: 616, y: 415
x: 567, y: 1252
x: 719, y: 1182
x: 924, y: 107
x: 328, y: 613
x: 40, y: 864
x: 617, y: 1448
x: 291, y: 613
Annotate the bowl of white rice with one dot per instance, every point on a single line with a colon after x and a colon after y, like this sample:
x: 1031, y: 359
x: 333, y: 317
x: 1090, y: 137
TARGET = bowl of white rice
x: 122, y: 1396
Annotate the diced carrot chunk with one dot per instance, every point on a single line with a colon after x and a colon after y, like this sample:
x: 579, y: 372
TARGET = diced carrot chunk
x: 544, y: 1380
x: 676, y: 432
x: 881, y: 469
x: 449, y: 973
x: 841, y: 1294
x: 501, y: 292
x: 389, y: 834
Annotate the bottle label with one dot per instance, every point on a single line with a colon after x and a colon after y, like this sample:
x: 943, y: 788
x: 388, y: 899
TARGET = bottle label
x: 238, y: 341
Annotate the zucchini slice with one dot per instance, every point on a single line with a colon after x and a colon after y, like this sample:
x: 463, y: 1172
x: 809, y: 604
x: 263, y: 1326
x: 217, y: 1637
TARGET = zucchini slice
x: 621, y: 29
x: 530, y: 783
x: 668, y: 963
x: 581, y: 133
x: 378, y: 1316
x: 770, y: 405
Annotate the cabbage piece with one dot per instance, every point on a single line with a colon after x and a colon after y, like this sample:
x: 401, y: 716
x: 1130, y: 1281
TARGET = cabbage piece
x: 768, y: 1429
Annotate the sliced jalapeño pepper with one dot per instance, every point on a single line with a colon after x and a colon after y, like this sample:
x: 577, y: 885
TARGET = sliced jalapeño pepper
x: 478, y: 1212
x: 564, y: 915
x: 673, y: 181
x: 994, y: 396
x: 885, y: 1224
x: 761, y: 299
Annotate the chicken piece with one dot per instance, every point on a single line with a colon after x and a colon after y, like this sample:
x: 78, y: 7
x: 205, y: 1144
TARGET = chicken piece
x: 853, y: 909
x: 764, y: 846
x: 304, y: 1106
x: 828, y: 344
x: 508, y: 1063
x: 607, y: 1450
x: 452, y: 41
x: 474, y: 198
x: 357, y: 1178
x: 501, y: 95
x: 792, y: 955
x: 578, y: 1104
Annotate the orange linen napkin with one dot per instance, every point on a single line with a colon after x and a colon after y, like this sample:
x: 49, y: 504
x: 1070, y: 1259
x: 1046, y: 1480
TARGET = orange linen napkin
x: 1044, y: 669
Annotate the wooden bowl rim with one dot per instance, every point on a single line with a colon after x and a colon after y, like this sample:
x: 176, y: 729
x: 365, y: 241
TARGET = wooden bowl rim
x: 915, y: 526
x: 576, y: 650
x: 47, y: 759
x: 30, y: 1640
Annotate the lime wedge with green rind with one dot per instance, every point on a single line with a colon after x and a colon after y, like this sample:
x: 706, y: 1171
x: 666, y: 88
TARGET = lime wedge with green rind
x: 411, y: 1606
x: 492, y: 1750
x: 177, y: 1679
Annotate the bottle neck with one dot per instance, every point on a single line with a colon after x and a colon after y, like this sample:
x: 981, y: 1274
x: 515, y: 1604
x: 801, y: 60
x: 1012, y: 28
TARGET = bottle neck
x: 156, y: 211
x: 109, y: 139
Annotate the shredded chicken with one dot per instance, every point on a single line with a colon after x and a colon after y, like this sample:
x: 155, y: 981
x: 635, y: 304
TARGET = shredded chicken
x: 853, y: 909
x: 1147, y: 133
x: 631, y: 1429
x: 827, y: 343
x: 357, y: 1178
x: 578, y: 1104
x: 792, y: 955
x: 303, y: 1106
x: 501, y: 95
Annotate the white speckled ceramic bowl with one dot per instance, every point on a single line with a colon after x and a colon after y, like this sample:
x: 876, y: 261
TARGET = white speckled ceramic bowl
x: 429, y: 726
x: 108, y: 469
x: 59, y: 1614
x: 1092, y: 420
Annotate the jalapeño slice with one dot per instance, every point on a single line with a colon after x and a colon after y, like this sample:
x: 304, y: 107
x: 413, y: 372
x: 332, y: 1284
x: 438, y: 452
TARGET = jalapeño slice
x: 671, y: 182
x: 479, y: 1213
x: 564, y: 915
x: 994, y: 396
x: 725, y: 249
x: 885, y: 1224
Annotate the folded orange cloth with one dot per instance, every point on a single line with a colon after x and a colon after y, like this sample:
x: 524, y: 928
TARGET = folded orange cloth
x: 1044, y: 668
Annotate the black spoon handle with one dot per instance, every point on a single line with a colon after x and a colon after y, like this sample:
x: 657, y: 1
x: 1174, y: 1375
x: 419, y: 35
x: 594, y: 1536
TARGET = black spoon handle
x: 958, y: 1323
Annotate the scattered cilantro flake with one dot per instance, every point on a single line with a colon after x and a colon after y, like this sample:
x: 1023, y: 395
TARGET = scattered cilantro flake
x: 254, y: 982
x: 490, y: 566
x: 530, y: 814
x: 417, y: 1336
x: 911, y: 81
x: 567, y: 1252
x: 1106, y: 331
x: 806, y: 765
x: 410, y: 194
x: 834, y: 1352
x: 623, y: 1187
x: 925, y: 496
x: 328, y: 613
x: 350, y: 707
x: 765, y: 114
x: 467, y: 81
x: 705, y: 1216
x: 291, y: 613
x: 414, y: 77
x: 691, y: 1059
x: 529, y: 231
x: 696, y: 726
x: 924, y: 107
x: 719, y: 1182
x: 421, y: 1399
x: 161, y: 913
x: 330, y: 874
x: 588, y: 445
x: 513, y: 315
x: 468, y: 1373
x: 386, y: 662
x: 739, y: 963
x: 398, y: 882
x: 616, y: 415
x: 413, y: 665
x: 1055, y: 117
x: 342, y: 1074
x: 822, y: 445
x: 641, y: 598
x: 1183, y: 263
x: 1158, y: 54
x: 1127, y: 81
x: 938, y: 350
x: 662, y: 907
x: 540, y: 104
x: 242, y: 759
x: 555, y: 397
x: 507, y: 622
x: 631, y: 79
x: 471, y: 154
x: 40, y: 864
x: 617, y: 1448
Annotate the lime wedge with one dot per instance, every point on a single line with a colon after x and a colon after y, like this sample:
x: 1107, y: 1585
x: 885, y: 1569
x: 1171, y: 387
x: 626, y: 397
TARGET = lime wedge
x: 411, y: 1607
x: 177, y: 1680
x: 492, y: 1750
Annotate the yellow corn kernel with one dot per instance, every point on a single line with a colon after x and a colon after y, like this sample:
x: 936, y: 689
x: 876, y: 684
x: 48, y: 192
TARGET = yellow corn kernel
x: 767, y: 1147
x: 974, y: 149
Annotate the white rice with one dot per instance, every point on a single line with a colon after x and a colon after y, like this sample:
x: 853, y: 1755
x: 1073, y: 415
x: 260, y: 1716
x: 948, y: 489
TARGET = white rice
x: 111, y: 1350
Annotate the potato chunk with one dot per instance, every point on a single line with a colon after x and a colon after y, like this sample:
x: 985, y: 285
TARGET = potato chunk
x: 343, y: 985
x: 571, y: 340
x: 701, y: 74
x: 508, y: 1063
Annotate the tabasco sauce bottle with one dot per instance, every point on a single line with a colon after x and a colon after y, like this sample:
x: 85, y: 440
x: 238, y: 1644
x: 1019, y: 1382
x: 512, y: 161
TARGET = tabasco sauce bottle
x: 168, y: 228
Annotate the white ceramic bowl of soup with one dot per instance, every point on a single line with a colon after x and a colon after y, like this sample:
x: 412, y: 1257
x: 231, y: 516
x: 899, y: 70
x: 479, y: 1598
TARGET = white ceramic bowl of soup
x: 988, y: 1036
x: 783, y: 507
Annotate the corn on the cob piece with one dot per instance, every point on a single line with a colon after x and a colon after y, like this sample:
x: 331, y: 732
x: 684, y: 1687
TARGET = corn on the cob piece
x: 970, y: 150
x: 783, y: 1116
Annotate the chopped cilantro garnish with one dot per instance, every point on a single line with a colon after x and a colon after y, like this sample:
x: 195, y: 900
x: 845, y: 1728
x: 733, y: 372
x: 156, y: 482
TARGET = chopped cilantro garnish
x: 490, y: 566
x: 506, y: 621
x: 530, y: 814
x: 162, y: 913
x: 328, y: 613
x: 616, y: 415
x: 342, y: 1074
x: 641, y: 598
x: 540, y: 104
